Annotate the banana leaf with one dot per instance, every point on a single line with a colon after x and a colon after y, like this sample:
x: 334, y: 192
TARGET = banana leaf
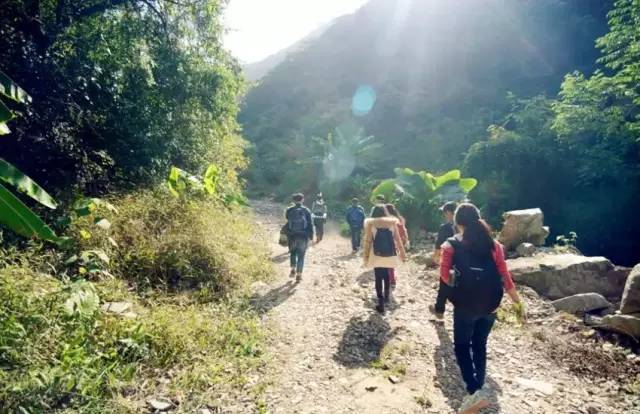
x: 11, y: 175
x: 21, y: 219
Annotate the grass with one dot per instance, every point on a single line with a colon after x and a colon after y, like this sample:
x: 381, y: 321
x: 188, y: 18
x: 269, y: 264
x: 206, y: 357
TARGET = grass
x: 392, y: 359
x: 191, y: 337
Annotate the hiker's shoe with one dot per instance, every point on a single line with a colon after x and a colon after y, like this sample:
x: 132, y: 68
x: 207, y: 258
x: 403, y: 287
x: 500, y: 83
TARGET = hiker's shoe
x: 292, y: 274
x: 439, y: 316
x: 380, y: 308
x: 298, y: 276
x: 474, y: 403
x: 387, y: 298
x: 392, y: 285
x: 354, y: 252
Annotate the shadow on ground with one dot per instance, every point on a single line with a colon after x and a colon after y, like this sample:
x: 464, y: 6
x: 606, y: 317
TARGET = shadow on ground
x: 274, y: 297
x: 448, y: 377
x: 363, y: 341
x: 366, y: 279
x: 281, y: 258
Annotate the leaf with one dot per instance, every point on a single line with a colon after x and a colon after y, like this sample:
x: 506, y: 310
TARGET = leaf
x: 5, y: 113
x: 385, y: 188
x: 467, y: 184
x: 11, y: 175
x: 11, y: 90
x: 83, y: 300
x: 85, y: 234
x: 211, y: 179
x: 21, y: 219
x: 447, y: 177
x: 4, y: 129
x: 112, y: 241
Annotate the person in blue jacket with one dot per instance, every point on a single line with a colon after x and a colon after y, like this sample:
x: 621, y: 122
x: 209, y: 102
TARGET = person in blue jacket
x: 355, y: 219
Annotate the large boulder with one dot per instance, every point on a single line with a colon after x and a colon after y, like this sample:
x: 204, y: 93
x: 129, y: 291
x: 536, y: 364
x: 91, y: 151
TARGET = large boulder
x: 625, y: 324
x: 631, y: 295
x: 526, y: 250
x: 560, y: 275
x: 523, y: 226
x: 581, y: 303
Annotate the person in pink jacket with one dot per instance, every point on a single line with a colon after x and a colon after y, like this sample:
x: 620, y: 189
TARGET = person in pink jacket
x: 480, y: 278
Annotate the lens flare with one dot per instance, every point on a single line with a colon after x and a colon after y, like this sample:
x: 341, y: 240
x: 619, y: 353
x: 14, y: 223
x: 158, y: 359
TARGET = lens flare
x: 363, y: 100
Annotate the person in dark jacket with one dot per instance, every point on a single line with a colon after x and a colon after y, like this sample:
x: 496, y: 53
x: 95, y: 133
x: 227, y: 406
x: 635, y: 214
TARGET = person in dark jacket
x: 446, y: 231
x: 355, y: 218
x: 299, y: 232
x: 319, y: 214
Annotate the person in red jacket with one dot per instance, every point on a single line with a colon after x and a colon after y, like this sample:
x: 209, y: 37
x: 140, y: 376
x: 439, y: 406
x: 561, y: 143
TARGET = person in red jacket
x: 480, y: 277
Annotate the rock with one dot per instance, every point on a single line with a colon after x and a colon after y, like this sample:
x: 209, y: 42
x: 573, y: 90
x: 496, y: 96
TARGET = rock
x: 624, y: 324
x: 116, y: 307
x: 526, y: 250
x: 560, y: 275
x: 543, y: 387
x: 581, y: 303
x: 631, y: 295
x: 205, y: 411
x: 371, y: 388
x: 393, y: 379
x: 160, y: 405
x: 591, y: 409
x: 523, y: 226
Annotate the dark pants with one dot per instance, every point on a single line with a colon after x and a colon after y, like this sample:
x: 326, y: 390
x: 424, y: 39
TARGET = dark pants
x: 470, y: 334
x: 319, y: 224
x: 297, y: 249
x: 443, y: 294
x: 382, y: 283
x: 356, y: 235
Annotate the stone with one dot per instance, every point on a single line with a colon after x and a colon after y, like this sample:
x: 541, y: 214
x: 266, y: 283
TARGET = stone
x: 631, y: 295
x: 541, y: 386
x: 560, y: 275
x: 116, y: 307
x: 625, y: 324
x: 523, y: 226
x: 160, y: 405
x: 393, y: 379
x: 581, y: 303
x: 526, y: 250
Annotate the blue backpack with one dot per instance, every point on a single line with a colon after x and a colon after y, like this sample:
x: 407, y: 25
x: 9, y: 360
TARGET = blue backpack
x: 298, y: 222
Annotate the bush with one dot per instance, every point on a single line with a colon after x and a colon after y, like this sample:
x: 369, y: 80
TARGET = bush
x: 158, y: 241
x: 59, y: 351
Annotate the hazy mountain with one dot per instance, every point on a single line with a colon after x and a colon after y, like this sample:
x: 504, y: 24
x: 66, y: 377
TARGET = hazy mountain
x: 441, y: 72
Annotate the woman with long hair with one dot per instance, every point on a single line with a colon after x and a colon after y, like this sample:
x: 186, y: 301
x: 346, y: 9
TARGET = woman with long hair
x: 383, y: 250
x: 404, y: 238
x: 480, y: 277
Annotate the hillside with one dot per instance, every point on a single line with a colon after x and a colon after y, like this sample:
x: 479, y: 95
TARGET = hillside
x: 441, y: 74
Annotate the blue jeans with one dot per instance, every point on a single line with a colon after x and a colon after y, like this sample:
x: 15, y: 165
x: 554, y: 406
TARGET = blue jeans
x: 470, y: 334
x: 297, y: 249
x: 356, y: 235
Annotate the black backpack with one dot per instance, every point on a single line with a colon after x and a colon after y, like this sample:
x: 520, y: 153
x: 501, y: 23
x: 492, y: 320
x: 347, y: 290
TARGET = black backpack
x: 383, y: 244
x: 478, y: 287
x: 297, y: 222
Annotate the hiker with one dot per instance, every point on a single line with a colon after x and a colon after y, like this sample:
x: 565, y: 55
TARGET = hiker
x: 355, y: 220
x: 446, y: 231
x: 481, y: 277
x: 380, y: 199
x: 299, y: 232
x: 382, y: 250
x: 404, y: 238
x: 319, y: 213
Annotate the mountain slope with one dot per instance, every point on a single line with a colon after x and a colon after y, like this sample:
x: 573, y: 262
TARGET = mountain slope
x: 441, y: 72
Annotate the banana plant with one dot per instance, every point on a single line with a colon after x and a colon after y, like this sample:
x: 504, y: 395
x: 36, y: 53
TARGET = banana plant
x: 14, y: 214
x: 419, y: 193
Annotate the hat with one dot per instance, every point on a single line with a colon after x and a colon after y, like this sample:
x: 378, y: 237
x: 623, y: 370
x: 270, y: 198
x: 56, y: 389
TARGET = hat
x: 449, y: 206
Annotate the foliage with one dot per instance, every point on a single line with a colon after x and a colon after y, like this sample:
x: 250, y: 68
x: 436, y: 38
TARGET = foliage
x: 183, y: 184
x: 441, y: 75
x: 419, y: 194
x: 59, y: 351
x: 121, y: 91
x: 158, y: 241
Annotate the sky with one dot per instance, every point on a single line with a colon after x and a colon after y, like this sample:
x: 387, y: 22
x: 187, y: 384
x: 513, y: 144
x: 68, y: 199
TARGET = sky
x: 259, y: 28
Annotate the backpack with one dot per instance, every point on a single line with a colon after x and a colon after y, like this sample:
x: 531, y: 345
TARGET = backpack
x: 297, y: 222
x: 383, y: 244
x: 477, y: 287
x: 283, y: 239
x: 355, y: 216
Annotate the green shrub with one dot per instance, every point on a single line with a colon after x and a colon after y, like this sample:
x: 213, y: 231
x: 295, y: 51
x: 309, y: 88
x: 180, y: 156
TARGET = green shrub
x: 159, y: 241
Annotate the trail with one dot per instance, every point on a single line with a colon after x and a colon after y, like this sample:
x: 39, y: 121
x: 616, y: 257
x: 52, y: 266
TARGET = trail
x: 334, y: 354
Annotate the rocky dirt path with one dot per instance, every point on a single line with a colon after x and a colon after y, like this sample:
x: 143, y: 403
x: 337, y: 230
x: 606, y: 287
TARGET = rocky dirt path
x: 334, y: 354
